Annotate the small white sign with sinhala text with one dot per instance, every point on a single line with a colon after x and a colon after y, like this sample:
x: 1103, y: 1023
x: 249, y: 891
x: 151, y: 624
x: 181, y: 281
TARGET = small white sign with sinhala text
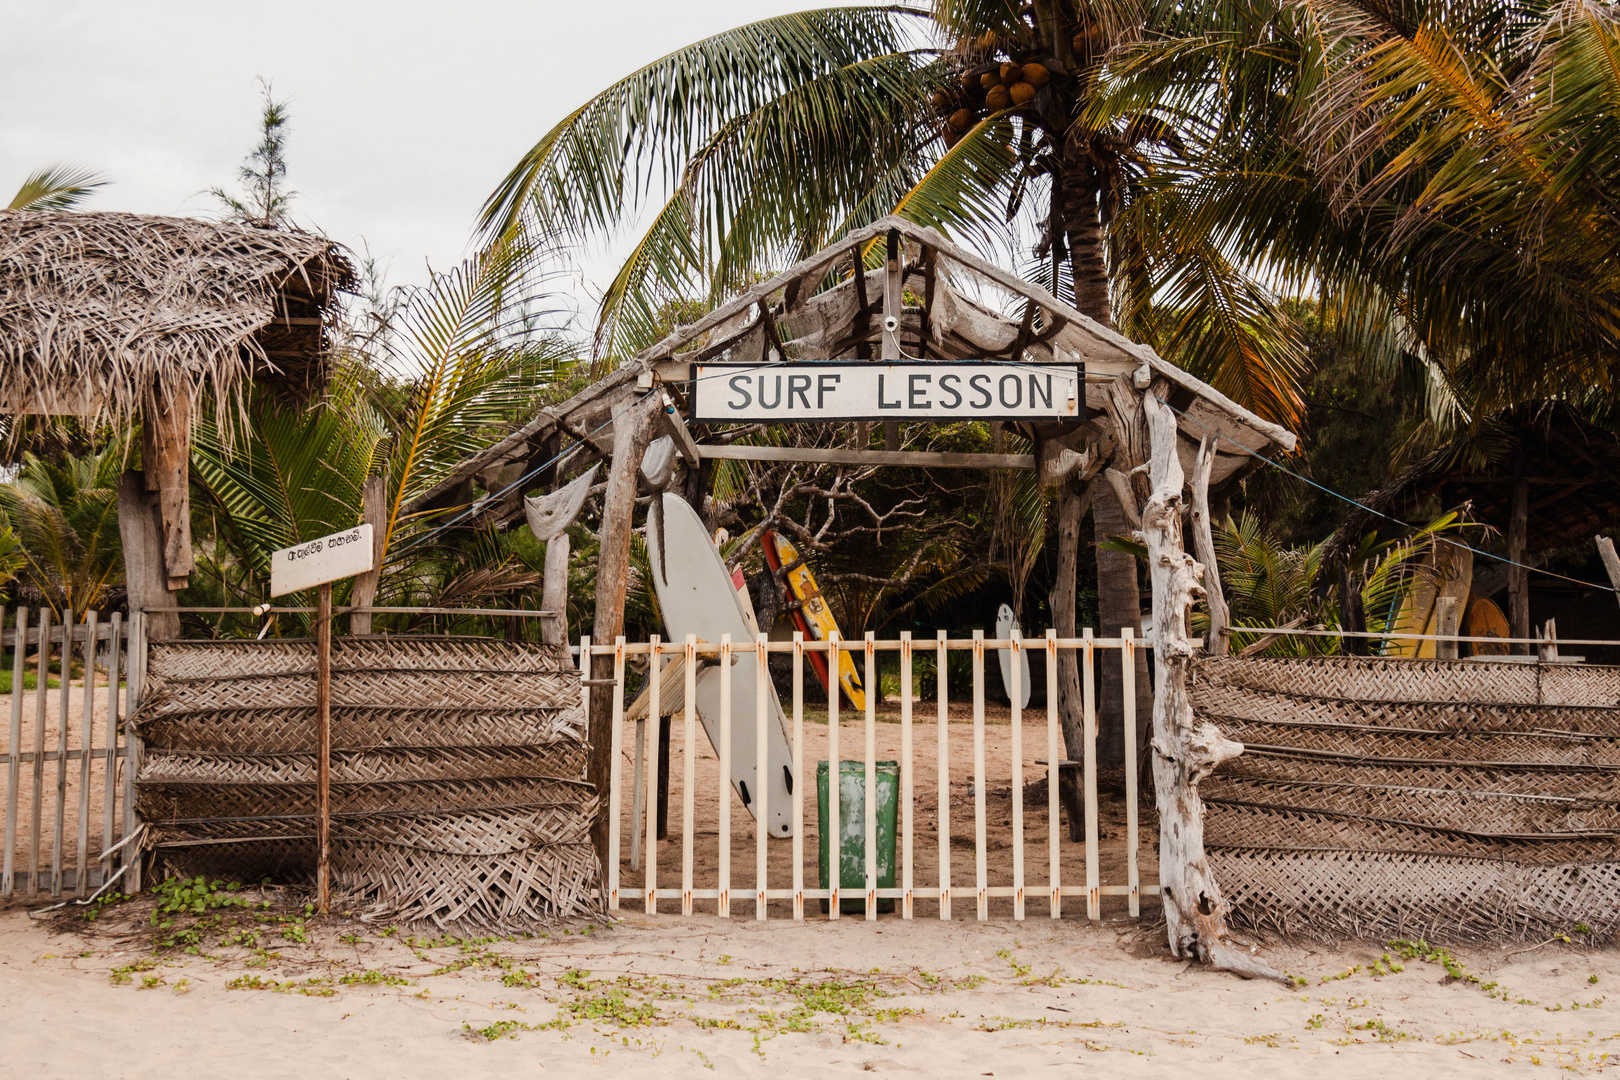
x: 317, y: 562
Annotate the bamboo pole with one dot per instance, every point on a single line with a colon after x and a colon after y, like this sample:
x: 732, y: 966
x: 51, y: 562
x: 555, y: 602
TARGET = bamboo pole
x: 14, y: 754
x: 88, y: 739
x: 323, y: 752
x: 762, y: 802
x: 1054, y: 862
x: 944, y: 782
x: 906, y: 821
x: 981, y: 874
x: 1016, y: 693
x: 41, y: 681
x: 723, y: 825
x: 798, y: 775
x: 110, y: 780
x: 831, y: 839
x: 688, y: 777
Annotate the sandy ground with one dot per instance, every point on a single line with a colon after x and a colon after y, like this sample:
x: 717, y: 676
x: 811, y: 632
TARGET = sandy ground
x: 926, y: 815
x: 666, y: 996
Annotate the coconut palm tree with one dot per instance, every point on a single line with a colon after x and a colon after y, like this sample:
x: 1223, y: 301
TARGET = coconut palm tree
x: 1448, y: 170
x: 65, y: 515
x: 766, y: 142
x: 60, y: 187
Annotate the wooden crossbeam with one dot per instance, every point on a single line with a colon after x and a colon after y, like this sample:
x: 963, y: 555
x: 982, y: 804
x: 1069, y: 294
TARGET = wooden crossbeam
x: 921, y: 459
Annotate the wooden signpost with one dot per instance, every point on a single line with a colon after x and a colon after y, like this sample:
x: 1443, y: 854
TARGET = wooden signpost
x: 316, y: 564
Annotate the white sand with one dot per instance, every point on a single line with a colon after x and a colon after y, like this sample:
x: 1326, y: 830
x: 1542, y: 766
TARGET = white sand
x: 1105, y: 1009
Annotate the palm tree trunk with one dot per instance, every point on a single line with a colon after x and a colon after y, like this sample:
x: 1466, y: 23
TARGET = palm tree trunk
x: 1119, y: 601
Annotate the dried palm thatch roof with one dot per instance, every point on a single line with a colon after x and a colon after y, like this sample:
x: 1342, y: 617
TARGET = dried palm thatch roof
x: 99, y: 310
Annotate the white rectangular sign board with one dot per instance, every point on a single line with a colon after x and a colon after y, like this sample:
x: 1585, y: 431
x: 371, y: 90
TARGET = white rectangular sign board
x: 317, y: 562
x: 875, y: 390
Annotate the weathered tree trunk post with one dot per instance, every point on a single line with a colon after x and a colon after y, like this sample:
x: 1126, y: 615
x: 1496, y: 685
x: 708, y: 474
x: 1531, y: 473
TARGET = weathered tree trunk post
x: 373, y: 512
x: 632, y: 431
x: 166, y: 449
x: 1204, y: 550
x: 1072, y: 505
x: 145, y: 576
x: 1182, y: 754
x: 1518, y: 576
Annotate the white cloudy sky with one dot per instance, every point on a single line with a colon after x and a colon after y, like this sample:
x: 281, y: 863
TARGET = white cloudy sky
x: 405, y: 115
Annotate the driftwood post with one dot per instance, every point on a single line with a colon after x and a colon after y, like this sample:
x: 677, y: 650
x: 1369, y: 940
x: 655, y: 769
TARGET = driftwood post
x: 632, y: 431
x: 1611, y: 562
x: 1182, y: 754
x: 1204, y: 549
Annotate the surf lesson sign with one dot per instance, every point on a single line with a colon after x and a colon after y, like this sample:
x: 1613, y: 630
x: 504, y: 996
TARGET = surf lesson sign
x: 878, y: 390
x: 321, y: 561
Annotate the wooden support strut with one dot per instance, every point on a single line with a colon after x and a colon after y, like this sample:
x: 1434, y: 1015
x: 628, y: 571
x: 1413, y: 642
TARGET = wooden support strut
x: 1182, y: 754
x: 632, y: 431
x: 373, y: 512
x: 1204, y: 549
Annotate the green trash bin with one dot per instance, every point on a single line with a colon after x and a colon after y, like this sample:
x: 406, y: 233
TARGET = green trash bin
x: 852, y: 814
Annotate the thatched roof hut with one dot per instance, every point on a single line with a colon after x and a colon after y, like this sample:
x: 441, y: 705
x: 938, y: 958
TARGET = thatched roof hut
x: 98, y: 310
x: 127, y: 317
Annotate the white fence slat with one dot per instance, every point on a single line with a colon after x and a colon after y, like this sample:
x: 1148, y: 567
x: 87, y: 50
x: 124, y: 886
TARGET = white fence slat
x: 651, y: 737
x: 88, y: 737
x: 1127, y: 658
x: 1093, y: 862
x: 65, y: 684
x: 871, y: 800
x: 798, y: 775
x: 615, y: 773
x: 688, y: 774
x: 762, y: 811
x: 831, y: 840
x: 944, y: 779
x: 110, y: 785
x: 981, y: 875
x: 1016, y: 697
x: 1054, y: 822
x: 638, y: 807
x: 42, y: 680
x: 134, y: 679
x: 723, y: 906
x: 8, y: 872
x: 905, y: 773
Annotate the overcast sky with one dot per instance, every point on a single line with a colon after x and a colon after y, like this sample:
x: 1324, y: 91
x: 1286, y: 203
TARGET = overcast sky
x: 405, y: 115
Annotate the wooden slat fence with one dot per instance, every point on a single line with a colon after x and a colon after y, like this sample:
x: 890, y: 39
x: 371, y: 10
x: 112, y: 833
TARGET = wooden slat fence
x: 68, y: 771
x: 633, y: 752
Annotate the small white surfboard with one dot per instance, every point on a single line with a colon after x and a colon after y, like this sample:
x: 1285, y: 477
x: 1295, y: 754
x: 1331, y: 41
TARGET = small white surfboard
x: 699, y: 598
x: 1006, y: 623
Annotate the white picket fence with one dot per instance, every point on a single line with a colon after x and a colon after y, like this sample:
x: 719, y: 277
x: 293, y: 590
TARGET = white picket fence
x: 908, y: 890
x: 61, y: 756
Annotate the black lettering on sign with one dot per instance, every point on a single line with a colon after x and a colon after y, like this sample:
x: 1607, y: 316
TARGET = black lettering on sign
x: 1017, y: 394
x: 917, y: 390
x: 980, y: 384
x: 798, y: 387
x: 886, y: 404
x: 1035, y: 389
x: 947, y: 385
x: 739, y: 385
x: 824, y: 385
x: 778, y: 402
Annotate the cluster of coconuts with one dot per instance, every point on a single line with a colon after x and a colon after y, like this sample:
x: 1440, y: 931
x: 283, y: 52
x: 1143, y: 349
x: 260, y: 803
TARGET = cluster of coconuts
x: 987, y: 88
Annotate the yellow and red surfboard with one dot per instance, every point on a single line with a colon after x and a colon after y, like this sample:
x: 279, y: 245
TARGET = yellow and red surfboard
x: 813, y: 615
x: 1449, y: 572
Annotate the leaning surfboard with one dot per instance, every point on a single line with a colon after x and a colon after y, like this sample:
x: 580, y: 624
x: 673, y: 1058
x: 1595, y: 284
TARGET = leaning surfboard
x: 1449, y: 572
x: 696, y: 595
x: 818, y: 662
x: 1006, y: 623
x: 817, y: 615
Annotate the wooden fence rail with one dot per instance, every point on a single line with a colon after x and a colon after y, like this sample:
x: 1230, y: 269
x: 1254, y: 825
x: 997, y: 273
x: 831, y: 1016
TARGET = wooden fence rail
x: 70, y: 723
x: 642, y: 746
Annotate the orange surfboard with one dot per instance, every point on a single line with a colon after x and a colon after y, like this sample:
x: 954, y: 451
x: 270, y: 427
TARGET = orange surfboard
x: 1485, y: 619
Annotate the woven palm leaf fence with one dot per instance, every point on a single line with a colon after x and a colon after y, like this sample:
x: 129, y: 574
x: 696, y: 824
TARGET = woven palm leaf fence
x: 458, y: 765
x: 1457, y: 800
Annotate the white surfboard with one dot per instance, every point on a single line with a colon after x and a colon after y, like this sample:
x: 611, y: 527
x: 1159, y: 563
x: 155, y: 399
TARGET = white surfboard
x: 698, y: 598
x: 1006, y: 623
